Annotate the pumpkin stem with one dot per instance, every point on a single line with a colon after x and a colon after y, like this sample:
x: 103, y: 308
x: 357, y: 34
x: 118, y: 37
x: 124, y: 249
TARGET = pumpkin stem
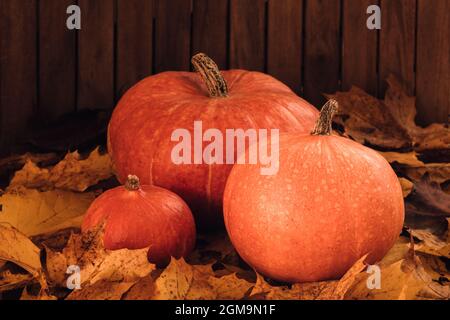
x: 324, y: 123
x: 132, y: 183
x: 211, y: 76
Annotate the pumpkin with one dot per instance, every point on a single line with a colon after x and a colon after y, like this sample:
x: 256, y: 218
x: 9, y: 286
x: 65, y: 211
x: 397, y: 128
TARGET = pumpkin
x: 136, y: 217
x: 331, y: 202
x: 140, y: 130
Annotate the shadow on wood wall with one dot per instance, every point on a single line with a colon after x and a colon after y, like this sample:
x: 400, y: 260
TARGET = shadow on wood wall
x: 314, y: 46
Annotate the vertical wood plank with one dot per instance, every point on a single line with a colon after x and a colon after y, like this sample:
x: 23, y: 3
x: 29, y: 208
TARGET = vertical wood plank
x: 433, y: 61
x: 173, y: 33
x: 322, y: 49
x: 247, y: 38
x: 57, y: 60
x: 134, y: 42
x: 284, y: 42
x: 359, y: 48
x: 397, y: 42
x: 210, y: 28
x: 18, y: 71
x: 96, y: 55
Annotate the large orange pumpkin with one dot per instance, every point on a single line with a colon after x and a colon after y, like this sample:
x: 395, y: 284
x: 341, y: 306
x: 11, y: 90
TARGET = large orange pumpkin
x: 332, y: 201
x: 145, y: 118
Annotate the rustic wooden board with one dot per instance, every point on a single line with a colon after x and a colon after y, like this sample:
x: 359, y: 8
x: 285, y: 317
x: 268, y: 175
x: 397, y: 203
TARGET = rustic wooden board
x: 284, y: 42
x: 18, y: 70
x: 96, y: 55
x: 247, y: 40
x: 397, y: 42
x: 134, y: 43
x: 57, y: 60
x: 322, y: 49
x: 210, y: 28
x: 359, y: 48
x: 433, y: 61
x: 173, y: 34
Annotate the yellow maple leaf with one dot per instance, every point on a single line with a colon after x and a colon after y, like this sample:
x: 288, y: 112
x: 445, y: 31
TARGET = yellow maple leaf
x: 182, y: 281
x: 33, y: 212
x: 104, y: 274
x: 17, y: 249
x: 72, y: 173
x: 404, y: 279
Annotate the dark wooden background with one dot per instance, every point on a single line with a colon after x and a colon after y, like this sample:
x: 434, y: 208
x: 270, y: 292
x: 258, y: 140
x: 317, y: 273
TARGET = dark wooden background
x: 314, y: 46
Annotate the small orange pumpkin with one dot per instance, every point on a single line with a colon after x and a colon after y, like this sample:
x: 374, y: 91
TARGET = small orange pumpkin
x: 137, y: 217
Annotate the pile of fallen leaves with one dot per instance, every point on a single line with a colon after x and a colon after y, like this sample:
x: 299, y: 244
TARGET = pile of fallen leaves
x: 419, y: 156
x: 45, y: 197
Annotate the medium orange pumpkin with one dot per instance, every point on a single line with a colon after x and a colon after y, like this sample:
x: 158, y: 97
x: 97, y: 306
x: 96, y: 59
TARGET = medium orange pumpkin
x: 332, y: 201
x: 137, y: 217
x: 139, y: 135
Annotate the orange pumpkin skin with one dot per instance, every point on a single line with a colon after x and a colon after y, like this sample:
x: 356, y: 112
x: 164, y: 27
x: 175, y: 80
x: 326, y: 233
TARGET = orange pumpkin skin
x: 142, y: 124
x: 332, y: 201
x: 148, y: 217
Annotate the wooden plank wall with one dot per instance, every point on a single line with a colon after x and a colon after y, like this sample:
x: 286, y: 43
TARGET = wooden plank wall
x: 314, y: 46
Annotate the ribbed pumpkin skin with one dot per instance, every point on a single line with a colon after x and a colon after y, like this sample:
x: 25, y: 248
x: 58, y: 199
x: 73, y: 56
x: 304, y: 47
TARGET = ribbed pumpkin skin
x: 151, y: 216
x: 332, y: 201
x: 142, y: 124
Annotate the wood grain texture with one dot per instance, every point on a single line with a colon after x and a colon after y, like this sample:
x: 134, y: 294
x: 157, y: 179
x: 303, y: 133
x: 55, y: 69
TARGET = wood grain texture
x: 433, y: 61
x: 247, y: 40
x: 96, y: 55
x: 322, y: 49
x: 134, y: 43
x: 210, y: 28
x: 397, y: 42
x: 359, y: 48
x: 284, y: 42
x: 18, y: 70
x: 173, y: 34
x: 57, y: 60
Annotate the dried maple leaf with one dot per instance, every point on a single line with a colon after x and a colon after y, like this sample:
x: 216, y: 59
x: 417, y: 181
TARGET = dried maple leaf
x: 11, y: 279
x: 95, y: 262
x: 387, y: 124
x: 410, y: 166
x: 367, y: 120
x: 17, y: 249
x: 72, y: 173
x: 34, y: 213
x: 182, y: 281
x: 42, y: 293
x: 230, y: 287
x: 397, y: 252
x: 434, y: 242
x: 41, y: 296
x: 408, y: 158
x: 428, y: 199
x: 102, y: 290
x: 144, y: 289
x: 435, y: 267
x: 405, y: 279
x: 325, y: 290
x: 304, y: 291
